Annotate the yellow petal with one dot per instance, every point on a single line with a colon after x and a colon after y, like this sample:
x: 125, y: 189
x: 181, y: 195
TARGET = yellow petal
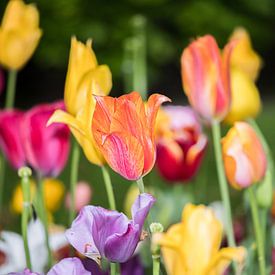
x: 243, y: 55
x: 246, y: 102
x: 224, y: 257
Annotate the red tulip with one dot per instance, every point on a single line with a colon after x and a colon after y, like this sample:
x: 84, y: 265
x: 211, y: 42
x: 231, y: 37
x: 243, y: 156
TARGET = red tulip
x: 206, y: 77
x: 46, y: 148
x: 11, y: 137
x: 123, y: 129
x: 180, y: 144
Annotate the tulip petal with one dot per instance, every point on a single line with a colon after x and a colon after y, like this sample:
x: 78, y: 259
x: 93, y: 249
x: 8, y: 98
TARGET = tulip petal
x: 120, y: 247
x: 80, y: 234
x: 69, y: 266
x: 141, y: 208
x: 154, y: 102
x: 124, y: 154
x: 224, y: 257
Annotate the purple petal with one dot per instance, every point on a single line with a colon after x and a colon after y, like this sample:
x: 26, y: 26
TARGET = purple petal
x: 25, y: 272
x: 120, y: 247
x: 80, y: 233
x: 69, y: 266
x: 107, y: 223
x: 132, y: 267
x: 141, y: 208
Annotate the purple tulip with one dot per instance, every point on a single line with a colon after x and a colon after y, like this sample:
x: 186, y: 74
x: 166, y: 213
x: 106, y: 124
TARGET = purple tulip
x: 25, y: 272
x: 97, y: 232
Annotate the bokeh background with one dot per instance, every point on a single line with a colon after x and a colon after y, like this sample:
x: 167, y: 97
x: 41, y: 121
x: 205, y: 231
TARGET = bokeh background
x: 170, y: 25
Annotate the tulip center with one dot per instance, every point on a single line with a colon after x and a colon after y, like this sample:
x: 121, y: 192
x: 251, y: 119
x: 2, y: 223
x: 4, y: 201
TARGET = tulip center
x: 3, y: 258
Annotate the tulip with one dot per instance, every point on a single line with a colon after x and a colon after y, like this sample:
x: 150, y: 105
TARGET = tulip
x: 181, y: 146
x: 244, y: 156
x: 47, y: 148
x: 97, y: 232
x: 246, y: 101
x: 11, y: 137
x: 83, y: 194
x: 243, y: 55
x: 123, y: 129
x: 192, y: 246
x: 19, y: 34
x: 25, y: 272
x: 84, y: 78
x: 206, y: 77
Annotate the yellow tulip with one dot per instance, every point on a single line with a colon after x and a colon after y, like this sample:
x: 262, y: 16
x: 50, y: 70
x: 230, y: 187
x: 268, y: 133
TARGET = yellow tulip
x: 19, y: 34
x: 243, y: 55
x: 84, y: 78
x: 53, y: 194
x: 192, y: 246
x: 246, y: 101
x: 245, y: 66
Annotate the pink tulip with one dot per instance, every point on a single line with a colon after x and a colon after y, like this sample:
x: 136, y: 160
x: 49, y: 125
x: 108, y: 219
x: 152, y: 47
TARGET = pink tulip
x: 180, y: 144
x: 11, y: 137
x: 46, y: 148
x: 83, y: 194
x: 206, y: 77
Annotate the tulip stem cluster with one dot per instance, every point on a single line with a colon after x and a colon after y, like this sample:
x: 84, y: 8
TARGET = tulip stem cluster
x: 140, y: 185
x: 216, y: 131
x: 73, y: 178
x: 42, y: 212
x: 258, y: 231
x: 24, y: 173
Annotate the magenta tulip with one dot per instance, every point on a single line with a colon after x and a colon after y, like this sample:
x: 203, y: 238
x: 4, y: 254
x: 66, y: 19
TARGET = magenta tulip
x: 46, y: 148
x: 180, y: 144
x: 11, y: 137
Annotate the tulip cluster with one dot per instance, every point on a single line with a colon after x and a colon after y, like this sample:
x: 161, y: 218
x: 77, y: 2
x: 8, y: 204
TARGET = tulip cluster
x: 131, y: 136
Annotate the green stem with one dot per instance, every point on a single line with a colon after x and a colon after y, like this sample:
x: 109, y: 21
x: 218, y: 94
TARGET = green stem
x: 42, y: 212
x: 140, y: 185
x: 73, y: 178
x: 2, y: 178
x: 257, y: 229
x: 113, y: 268
x: 216, y: 131
x: 156, y: 265
x: 11, y: 89
x: 109, y: 188
x: 25, y: 173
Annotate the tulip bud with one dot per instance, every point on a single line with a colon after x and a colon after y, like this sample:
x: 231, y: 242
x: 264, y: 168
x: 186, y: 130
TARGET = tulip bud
x: 19, y: 34
x: 244, y: 156
x: 206, y: 77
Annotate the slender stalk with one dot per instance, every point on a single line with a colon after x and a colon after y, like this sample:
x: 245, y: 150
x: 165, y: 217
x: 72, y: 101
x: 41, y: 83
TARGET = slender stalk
x: 42, y: 212
x: 2, y: 178
x: 140, y: 185
x: 257, y: 230
x: 73, y: 178
x: 25, y: 173
x: 109, y: 187
x: 223, y: 183
x: 10, y: 94
x: 113, y: 268
x: 156, y: 265
x: 11, y: 89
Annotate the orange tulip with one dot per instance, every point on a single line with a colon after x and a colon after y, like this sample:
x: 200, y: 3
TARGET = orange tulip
x: 123, y: 129
x: 206, y: 77
x: 244, y: 157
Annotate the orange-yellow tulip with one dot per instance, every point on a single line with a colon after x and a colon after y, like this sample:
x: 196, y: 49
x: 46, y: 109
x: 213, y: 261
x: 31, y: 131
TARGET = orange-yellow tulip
x: 244, y: 156
x: 84, y: 78
x: 206, y: 77
x: 19, y: 34
x: 192, y: 247
x: 123, y: 129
